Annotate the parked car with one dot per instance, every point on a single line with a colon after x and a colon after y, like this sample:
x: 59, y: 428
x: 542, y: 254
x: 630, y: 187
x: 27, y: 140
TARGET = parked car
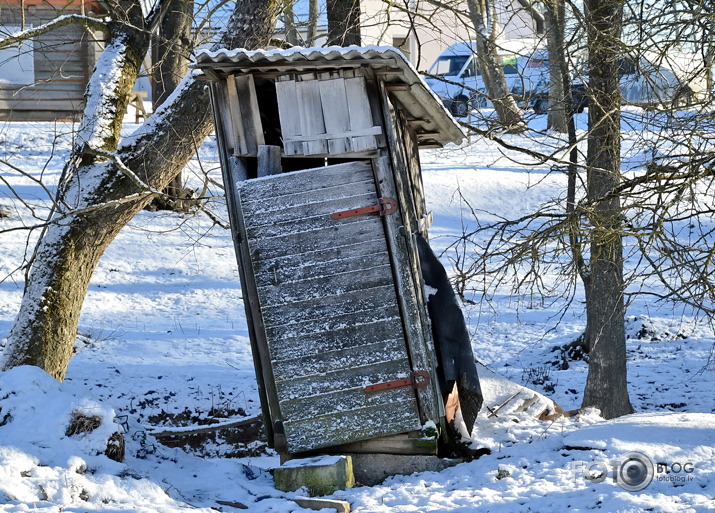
x: 641, y: 83
x: 455, y: 77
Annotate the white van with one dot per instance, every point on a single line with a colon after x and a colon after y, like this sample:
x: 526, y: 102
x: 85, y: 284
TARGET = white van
x: 455, y: 75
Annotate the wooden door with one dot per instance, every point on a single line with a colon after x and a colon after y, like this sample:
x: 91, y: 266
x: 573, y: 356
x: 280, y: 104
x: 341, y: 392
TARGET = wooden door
x: 328, y: 310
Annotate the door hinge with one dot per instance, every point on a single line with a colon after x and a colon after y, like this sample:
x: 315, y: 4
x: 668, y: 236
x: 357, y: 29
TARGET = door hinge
x: 385, y: 207
x: 417, y: 379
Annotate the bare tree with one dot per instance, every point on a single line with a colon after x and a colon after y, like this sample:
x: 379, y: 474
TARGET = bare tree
x: 104, y: 184
x: 490, y: 66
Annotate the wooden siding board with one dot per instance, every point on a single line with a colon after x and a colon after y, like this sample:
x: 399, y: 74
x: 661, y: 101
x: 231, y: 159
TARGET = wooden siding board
x: 362, y: 330
x: 320, y: 178
x: 350, y: 378
x: 325, y: 361
x: 335, y: 112
x: 347, y: 426
x: 346, y: 399
x: 288, y: 114
x: 329, y: 307
x: 304, y: 243
x: 332, y: 262
x: 310, y: 112
x: 351, y: 280
x: 312, y: 216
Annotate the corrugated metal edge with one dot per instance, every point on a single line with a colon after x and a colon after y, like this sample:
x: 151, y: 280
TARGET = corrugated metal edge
x: 433, y: 123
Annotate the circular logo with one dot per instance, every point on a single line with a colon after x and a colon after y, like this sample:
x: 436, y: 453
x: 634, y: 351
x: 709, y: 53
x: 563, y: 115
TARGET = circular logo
x: 635, y: 472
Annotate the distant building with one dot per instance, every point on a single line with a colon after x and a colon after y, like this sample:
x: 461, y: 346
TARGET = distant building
x: 424, y: 36
x: 45, y: 78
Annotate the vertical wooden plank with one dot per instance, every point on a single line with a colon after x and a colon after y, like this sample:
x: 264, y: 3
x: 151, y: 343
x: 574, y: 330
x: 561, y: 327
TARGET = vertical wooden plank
x: 410, y: 297
x: 360, y: 113
x: 255, y: 319
x: 231, y: 176
x: 310, y: 111
x: 222, y: 114
x: 239, y: 137
x: 251, y: 119
x: 269, y: 160
x: 335, y: 112
x: 288, y: 114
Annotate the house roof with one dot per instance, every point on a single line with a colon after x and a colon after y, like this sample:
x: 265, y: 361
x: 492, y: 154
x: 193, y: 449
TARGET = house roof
x: 424, y: 111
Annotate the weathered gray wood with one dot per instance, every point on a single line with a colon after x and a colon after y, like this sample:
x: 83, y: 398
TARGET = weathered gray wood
x: 250, y: 115
x: 343, y: 397
x: 269, y: 160
x: 335, y: 112
x: 345, y: 330
x: 253, y: 310
x: 347, y: 379
x: 314, y: 215
x: 288, y: 114
x: 236, y: 117
x: 329, y: 307
x: 360, y: 113
x: 413, y: 311
x: 332, y: 262
x: 320, y: 178
x: 310, y: 110
x: 362, y: 329
x: 307, y: 199
x: 362, y: 229
x: 231, y: 175
x: 321, y: 363
x: 222, y: 115
x: 363, y: 423
x: 351, y: 280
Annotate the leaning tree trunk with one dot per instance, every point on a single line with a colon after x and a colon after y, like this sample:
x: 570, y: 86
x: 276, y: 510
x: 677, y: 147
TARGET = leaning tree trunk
x: 606, y: 384
x: 107, y: 193
x: 492, y: 71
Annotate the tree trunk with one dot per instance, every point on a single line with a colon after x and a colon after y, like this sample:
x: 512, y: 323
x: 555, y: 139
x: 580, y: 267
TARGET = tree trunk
x: 289, y: 24
x: 606, y: 384
x: 555, y: 13
x: 313, y: 14
x: 492, y: 71
x: 171, y: 52
x: 343, y: 22
x: 108, y: 195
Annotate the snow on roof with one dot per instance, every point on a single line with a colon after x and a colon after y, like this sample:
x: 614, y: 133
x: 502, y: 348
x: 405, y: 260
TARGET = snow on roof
x: 424, y: 111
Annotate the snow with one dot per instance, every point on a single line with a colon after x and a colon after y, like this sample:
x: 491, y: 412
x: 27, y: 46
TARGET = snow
x: 163, y: 335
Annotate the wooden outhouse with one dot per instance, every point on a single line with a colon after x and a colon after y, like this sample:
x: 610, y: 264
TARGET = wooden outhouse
x: 319, y: 150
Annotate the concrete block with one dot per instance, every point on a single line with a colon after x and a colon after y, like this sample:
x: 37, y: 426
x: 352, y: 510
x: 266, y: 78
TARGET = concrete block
x: 321, y: 475
x: 373, y: 469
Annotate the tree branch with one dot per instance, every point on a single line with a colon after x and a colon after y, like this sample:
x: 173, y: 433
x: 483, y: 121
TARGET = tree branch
x: 62, y: 21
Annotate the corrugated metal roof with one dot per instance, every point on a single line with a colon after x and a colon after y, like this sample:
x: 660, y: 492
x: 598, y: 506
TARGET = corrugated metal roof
x: 432, y: 123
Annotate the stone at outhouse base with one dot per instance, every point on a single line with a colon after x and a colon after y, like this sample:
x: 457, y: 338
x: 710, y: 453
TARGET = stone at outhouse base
x: 320, y: 475
x: 373, y: 469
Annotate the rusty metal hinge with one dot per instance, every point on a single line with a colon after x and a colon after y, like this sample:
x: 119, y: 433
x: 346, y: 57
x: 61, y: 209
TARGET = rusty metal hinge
x: 385, y: 206
x: 417, y: 379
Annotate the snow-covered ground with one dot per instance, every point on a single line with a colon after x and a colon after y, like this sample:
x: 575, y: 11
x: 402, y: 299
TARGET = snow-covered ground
x: 163, y: 336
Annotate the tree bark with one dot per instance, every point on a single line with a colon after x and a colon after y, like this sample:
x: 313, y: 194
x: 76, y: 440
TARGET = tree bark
x: 104, y: 194
x: 555, y: 13
x: 492, y: 71
x: 606, y: 384
x: 171, y: 51
x: 343, y: 22
x: 313, y: 14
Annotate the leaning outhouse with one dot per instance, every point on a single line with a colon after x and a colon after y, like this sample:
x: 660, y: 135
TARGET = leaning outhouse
x: 319, y: 155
